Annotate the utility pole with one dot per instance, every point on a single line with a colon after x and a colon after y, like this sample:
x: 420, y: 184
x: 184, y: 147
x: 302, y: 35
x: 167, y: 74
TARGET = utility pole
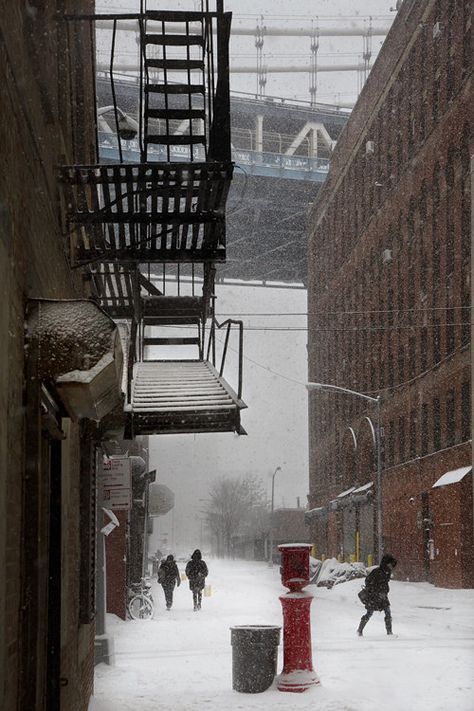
x: 270, y: 552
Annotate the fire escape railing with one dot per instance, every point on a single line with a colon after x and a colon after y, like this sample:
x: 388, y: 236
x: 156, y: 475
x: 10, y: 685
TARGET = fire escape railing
x: 211, y: 347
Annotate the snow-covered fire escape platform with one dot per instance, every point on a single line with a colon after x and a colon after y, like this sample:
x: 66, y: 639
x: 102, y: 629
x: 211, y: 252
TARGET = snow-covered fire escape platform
x: 187, y: 396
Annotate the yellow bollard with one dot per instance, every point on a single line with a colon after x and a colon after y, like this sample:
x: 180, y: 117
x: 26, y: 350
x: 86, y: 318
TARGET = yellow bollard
x: 352, y: 558
x: 207, y: 591
x: 370, y: 560
x: 183, y: 577
x: 314, y: 553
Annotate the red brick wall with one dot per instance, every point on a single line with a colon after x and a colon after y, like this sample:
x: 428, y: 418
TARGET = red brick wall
x: 116, y: 566
x: 400, y: 327
x: 453, y: 564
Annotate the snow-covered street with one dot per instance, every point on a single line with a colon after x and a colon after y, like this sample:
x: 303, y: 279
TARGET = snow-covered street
x: 182, y: 660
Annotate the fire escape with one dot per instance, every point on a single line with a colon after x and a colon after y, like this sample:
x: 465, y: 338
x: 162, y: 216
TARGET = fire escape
x: 147, y: 235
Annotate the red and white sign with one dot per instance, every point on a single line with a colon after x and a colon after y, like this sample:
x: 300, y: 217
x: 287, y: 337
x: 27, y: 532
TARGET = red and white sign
x: 116, y: 481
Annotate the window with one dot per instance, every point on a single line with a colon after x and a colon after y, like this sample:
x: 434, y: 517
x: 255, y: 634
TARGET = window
x: 413, y: 433
x: 449, y: 209
x: 435, y: 225
x: 389, y: 370
x: 401, y: 364
x: 423, y: 349
x: 436, y: 425
x: 424, y: 430
x: 390, y: 440
x: 401, y: 438
x: 465, y: 311
x: 450, y: 331
x: 450, y: 419
x: 412, y: 356
x: 467, y: 27
x: 466, y: 411
x: 436, y: 341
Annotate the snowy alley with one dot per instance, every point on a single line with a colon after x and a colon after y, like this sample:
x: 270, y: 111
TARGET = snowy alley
x: 182, y: 660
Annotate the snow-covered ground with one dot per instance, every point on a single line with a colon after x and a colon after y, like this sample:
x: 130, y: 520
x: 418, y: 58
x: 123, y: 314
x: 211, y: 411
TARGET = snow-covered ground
x: 182, y: 660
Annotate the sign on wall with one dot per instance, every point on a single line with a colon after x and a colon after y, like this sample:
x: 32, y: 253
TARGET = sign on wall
x: 116, y: 484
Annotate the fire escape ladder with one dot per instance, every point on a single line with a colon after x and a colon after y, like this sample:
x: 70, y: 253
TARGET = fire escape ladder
x: 127, y: 221
x: 175, y: 100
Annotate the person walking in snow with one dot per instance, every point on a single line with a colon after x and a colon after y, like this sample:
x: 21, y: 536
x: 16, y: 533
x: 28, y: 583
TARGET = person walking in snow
x: 376, y: 593
x: 196, y: 571
x: 168, y: 577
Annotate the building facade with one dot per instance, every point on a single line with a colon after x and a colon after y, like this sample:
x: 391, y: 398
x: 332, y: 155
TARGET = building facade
x: 48, y: 329
x: 389, y: 307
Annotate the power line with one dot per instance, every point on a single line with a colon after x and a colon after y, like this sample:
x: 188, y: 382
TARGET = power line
x: 355, y: 329
x: 345, y: 313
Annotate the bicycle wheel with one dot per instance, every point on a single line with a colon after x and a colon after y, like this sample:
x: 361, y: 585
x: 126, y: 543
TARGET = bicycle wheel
x: 140, y: 607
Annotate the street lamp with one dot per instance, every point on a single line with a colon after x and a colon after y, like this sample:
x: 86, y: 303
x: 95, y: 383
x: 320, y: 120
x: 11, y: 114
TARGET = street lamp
x: 325, y: 387
x: 270, y: 553
x: 127, y: 127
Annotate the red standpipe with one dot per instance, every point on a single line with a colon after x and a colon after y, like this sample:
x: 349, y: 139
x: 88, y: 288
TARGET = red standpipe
x: 298, y: 673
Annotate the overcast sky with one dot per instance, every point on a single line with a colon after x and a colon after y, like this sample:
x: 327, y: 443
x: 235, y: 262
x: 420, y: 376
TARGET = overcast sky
x: 276, y: 418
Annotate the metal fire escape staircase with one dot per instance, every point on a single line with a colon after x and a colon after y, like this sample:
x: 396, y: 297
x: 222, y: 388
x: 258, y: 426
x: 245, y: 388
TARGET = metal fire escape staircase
x: 142, y: 231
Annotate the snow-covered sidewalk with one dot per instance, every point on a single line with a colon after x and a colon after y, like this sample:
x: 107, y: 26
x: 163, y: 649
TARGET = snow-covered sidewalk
x: 182, y: 660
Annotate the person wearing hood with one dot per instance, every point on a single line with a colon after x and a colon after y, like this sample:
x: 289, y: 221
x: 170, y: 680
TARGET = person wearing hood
x: 196, y: 571
x: 168, y: 577
x: 376, y: 593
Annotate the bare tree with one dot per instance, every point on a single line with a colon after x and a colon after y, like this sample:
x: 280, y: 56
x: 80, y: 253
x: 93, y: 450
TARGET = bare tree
x: 232, y: 505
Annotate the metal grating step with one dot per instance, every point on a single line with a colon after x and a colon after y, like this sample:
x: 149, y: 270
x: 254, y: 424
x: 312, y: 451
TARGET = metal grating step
x: 179, y: 114
x: 175, y: 139
x: 170, y: 64
x: 175, y: 40
x: 175, y: 88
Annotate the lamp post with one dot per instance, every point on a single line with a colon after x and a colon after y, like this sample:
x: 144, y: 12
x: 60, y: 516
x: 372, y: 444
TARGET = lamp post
x: 270, y: 552
x: 324, y: 387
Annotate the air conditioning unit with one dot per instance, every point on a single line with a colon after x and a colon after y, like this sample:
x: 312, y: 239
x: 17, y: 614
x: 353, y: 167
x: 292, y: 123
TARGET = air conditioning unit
x: 369, y: 147
x: 386, y: 256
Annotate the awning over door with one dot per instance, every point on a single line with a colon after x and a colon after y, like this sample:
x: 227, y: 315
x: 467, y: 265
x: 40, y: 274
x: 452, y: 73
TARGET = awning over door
x: 452, y: 477
x: 78, y: 351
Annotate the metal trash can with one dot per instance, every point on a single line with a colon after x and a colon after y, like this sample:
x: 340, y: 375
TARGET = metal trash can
x: 254, y: 657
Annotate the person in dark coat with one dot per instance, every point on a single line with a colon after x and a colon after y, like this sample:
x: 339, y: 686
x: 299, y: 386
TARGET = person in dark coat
x: 196, y: 571
x: 376, y: 586
x: 168, y: 577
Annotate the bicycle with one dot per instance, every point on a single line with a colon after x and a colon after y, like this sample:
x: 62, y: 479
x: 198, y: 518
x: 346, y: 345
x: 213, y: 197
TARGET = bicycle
x: 140, y: 604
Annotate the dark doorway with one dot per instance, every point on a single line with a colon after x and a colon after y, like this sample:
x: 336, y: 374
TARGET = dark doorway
x: 427, y: 540
x: 54, y: 582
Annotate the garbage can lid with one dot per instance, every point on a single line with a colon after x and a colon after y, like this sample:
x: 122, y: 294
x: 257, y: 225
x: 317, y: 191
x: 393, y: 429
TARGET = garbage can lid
x: 255, y: 634
x: 255, y: 627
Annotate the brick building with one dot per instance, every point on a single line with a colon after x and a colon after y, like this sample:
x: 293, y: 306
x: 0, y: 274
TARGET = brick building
x: 53, y: 344
x: 389, y: 306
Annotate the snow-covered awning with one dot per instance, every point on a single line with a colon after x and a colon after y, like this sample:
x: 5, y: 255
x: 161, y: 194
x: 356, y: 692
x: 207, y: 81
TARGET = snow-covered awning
x: 452, y: 477
x: 314, y: 514
x: 354, y: 495
x: 364, y: 487
x: 78, y: 348
x: 346, y: 492
x: 362, y: 493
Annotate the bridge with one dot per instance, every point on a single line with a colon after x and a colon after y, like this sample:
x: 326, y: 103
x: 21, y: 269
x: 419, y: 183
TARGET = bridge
x: 265, y: 164
x: 281, y: 149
